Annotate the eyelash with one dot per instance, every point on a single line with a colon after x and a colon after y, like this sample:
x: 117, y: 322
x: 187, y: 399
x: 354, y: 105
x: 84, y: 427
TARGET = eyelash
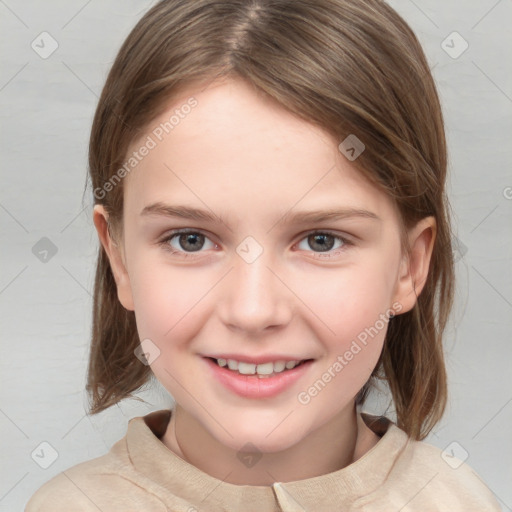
x: 165, y: 242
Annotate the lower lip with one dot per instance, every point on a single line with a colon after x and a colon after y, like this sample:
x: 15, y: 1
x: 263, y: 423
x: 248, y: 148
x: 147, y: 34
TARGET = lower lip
x: 252, y: 386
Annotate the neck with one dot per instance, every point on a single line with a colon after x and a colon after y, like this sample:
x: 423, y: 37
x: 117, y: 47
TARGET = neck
x: 333, y: 446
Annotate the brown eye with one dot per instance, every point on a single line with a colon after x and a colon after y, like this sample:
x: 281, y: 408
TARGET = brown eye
x: 186, y: 242
x: 191, y: 241
x: 322, y: 242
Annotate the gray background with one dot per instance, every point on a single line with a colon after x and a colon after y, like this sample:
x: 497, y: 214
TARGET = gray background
x: 47, y: 106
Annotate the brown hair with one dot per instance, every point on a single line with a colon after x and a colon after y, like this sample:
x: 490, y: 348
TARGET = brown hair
x: 348, y: 66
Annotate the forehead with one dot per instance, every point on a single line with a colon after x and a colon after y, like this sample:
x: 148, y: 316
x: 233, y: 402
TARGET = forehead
x: 230, y: 148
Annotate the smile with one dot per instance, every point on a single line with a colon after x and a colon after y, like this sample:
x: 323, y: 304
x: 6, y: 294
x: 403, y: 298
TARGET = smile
x: 265, y: 369
x: 252, y: 380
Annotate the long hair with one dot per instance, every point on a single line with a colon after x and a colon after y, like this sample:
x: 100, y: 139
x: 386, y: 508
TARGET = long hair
x: 352, y: 67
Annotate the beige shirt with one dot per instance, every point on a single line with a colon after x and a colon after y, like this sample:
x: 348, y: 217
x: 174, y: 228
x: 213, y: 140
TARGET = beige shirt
x: 141, y: 474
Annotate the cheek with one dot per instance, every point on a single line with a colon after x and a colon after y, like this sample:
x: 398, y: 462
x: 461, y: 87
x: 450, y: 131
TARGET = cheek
x: 349, y: 300
x: 359, y: 324
x: 168, y: 300
x: 351, y: 308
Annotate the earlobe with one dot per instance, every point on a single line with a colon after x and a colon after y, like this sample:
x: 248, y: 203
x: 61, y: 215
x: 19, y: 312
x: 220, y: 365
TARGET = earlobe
x: 115, y: 257
x: 414, y: 267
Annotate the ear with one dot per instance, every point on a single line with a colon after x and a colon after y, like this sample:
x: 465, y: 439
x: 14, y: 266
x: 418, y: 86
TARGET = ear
x: 414, y: 267
x: 116, y: 257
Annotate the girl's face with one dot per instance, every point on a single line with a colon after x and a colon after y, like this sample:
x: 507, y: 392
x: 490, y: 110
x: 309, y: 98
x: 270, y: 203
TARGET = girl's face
x: 251, y: 282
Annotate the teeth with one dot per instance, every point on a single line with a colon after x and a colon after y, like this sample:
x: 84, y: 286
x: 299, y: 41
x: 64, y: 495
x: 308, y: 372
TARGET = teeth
x: 279, y: 366
x: 246, y: 368
x: 264, y: 369
x: 260, y: 369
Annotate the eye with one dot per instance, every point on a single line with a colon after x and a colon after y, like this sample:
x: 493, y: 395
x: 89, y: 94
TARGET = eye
x: 186, y: 242
x: 323, y: 242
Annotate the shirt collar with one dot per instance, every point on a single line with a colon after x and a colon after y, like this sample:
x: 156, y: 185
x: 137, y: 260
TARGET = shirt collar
x: 153, y: 459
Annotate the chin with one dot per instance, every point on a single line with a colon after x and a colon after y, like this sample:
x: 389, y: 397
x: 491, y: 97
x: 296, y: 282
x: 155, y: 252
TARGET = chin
x: 267, y: 439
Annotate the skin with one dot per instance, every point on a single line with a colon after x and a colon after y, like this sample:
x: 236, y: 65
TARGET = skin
x: 250, y: 162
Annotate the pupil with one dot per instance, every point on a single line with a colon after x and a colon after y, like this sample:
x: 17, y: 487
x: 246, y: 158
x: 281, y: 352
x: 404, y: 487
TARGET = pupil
x: 322, y: 244
x: 192, y: 239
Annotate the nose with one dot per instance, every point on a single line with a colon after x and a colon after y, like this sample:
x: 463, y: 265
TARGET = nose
x: 253, y: 297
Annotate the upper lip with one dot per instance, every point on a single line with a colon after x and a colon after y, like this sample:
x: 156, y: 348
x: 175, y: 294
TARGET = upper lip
x: 272, y: 358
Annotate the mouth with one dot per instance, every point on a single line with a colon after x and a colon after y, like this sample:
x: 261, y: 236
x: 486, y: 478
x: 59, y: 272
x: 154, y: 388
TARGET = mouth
x: 258, y: 381
x: 263, y: 370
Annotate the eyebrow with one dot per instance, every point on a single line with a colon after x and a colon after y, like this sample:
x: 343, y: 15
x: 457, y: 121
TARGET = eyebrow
x: 187, y: 212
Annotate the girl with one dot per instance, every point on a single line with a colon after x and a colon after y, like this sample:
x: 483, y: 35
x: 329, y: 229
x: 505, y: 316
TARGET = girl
x: 269, y: 183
